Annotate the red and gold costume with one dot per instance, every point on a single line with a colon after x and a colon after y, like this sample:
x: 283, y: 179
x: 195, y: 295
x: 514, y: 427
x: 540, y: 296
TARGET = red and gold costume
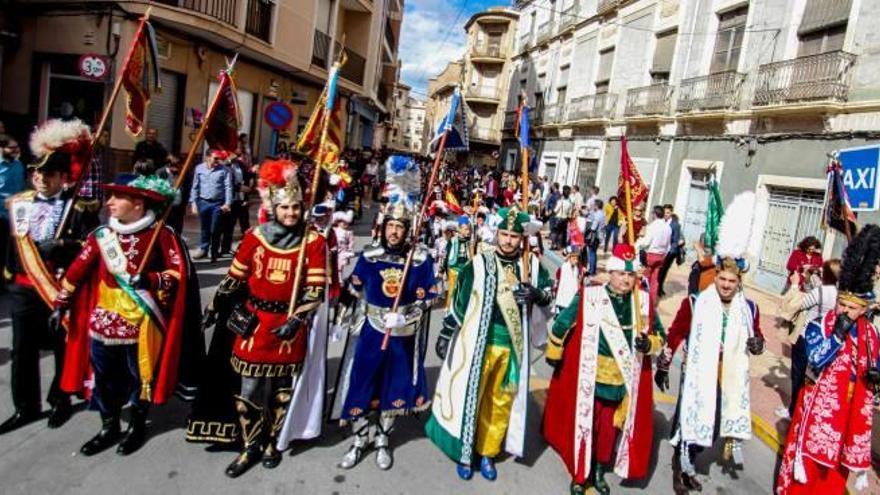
x: 268, y: 272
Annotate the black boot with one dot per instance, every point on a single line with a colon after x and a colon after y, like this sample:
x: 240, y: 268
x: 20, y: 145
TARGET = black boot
x: 136, y: 433
x: 105, y: 438
x: 678, y: 486
x: 599, y: 483
x: 280, y: 401
x: 60, y: 412
x: 689, y: 480
x: 20, y: 418
x: 250, y: 417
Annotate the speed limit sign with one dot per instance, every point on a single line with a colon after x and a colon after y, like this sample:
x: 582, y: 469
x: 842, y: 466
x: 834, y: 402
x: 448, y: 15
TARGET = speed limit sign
x: 93, y: 66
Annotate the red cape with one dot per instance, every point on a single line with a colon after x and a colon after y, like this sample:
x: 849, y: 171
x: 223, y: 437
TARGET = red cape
x: 77, y: 369
x: 559, y: 412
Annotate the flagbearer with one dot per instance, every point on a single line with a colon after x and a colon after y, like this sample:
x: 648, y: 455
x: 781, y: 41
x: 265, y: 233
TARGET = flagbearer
x: 270, y: 347
x: 376, y: 385
x: 597, y: 339
x: 721, y: 329
x: 37, y: 258
x: 482, y: 392
x: 830, y: 433
x: 129, y: 342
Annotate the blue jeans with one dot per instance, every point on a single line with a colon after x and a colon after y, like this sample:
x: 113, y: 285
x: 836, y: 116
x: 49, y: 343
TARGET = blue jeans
x: 211, y: 219
x: 611, y: 231
x: 592, y: 258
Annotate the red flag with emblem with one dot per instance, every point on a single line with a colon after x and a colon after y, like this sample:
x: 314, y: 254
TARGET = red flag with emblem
x: 629, y: 173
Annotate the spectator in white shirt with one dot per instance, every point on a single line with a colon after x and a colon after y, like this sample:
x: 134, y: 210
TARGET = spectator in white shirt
x: 591, y: 201
x: 656, y: 244
x: 577, y: 199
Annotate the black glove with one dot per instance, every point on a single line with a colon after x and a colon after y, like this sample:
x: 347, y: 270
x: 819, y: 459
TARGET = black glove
x: 842, y: 326
x: 661, y: 378
x: 141, y: 281
x: 643, y: 344
x: 48, y: 246
x: 755, y: 345
x: 526, y: 294
x: 291, y: 327
x: 346, y: 298
x: 873, y: 376
x: 442, y: 346
x: 554, y: 363
x: 55, y: 319
x: 209, y: 318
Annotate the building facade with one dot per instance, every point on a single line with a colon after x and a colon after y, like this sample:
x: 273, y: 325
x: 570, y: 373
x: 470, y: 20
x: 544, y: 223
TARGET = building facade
x: 285, y: 49
x: 414, y: 127
x: 754, y: 94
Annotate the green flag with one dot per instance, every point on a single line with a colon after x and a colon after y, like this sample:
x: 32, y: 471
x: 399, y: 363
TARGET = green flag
x: 713, y: 214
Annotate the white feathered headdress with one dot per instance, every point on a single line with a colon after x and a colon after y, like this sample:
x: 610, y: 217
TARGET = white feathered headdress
x: 62, y: 144
x: 403, y: 183
x: 736, y: 230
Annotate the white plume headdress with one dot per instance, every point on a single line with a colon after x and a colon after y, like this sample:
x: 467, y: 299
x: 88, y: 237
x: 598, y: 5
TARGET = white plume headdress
x: 403, y: 183
x: 736, y: 230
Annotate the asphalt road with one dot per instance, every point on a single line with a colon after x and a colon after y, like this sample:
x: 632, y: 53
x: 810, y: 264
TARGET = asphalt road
x: 36, y: 460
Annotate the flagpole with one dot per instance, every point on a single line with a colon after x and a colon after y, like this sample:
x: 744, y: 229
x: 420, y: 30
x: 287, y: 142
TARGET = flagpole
x: 526, y: 276
x: 187, y: 164
x: 105, y: 116
x: 630, y: 237
x: 417, y: 227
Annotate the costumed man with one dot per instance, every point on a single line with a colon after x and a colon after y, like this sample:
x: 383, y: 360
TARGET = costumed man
x: 376, y: 385
x: 601, y: 339
x: 482, y: 392
x: 37, y: 259
x: 270, y: 348
x: 127, y: 346
x: 830, y: 433
x: 458, y: 254
x: 721, y: 329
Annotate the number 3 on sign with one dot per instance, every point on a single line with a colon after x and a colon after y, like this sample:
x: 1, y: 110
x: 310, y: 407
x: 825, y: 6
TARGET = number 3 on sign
x: 93, y: 66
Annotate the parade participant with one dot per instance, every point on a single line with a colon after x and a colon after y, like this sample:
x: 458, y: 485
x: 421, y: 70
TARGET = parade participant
x: 596, y: 340
x: 375, y: 385
x: 344, y: 238
x: 720, y: 328
x: 482, y: 391
x: 830, y: 433
x: 458, y: 253
x: 36, y: 258
x: 569, y: 277
x: 127, y: 347
x: 270, y: 347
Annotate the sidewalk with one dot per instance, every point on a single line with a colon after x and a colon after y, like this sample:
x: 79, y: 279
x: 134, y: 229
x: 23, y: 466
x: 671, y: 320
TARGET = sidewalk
x: 771, y: 382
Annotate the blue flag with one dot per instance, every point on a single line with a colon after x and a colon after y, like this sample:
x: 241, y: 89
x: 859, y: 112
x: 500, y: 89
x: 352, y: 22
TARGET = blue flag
x: 523, y: 129
x: 454, y: 124
x: 331, y: 86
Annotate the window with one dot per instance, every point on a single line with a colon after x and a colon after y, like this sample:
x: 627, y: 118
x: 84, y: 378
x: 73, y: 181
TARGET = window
x: 728, y: 43
x: 603, y: 76
x: 821, y: 41
x: 663, y: 53
x: 823, y: 26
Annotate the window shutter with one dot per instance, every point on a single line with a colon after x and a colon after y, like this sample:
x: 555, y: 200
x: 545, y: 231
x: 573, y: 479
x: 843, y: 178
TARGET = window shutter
x: 664, y: 51
x: 606, y: 60
x: 821, y: 14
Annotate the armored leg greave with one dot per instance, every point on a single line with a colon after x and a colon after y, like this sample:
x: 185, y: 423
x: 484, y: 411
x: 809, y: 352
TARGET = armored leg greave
x: 250, y: 417
x: 280, y: 401
x: 361, y: 430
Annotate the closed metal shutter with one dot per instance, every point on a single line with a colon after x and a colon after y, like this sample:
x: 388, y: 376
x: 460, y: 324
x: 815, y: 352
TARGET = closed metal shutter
x: 792, y: 214
x: 164, y: 111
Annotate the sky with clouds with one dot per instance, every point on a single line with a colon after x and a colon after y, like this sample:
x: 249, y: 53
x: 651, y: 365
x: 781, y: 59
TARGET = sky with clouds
x: 433, y: 34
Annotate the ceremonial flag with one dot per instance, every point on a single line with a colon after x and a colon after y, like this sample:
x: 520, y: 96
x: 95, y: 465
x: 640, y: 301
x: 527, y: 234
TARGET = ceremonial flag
x: 454, y: 124
x: 221, y: 132
x: 522, y: 123
x: 714, y: 212
x: 629, y: 173
x: 328, y: 105
x: 837, y: 213
x: 452, y: 202
x: 140, y: 77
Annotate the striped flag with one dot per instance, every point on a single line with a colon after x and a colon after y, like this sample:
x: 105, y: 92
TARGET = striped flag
x: 222, y: 128
x: 328, y: 107
x: 140, y: 77
x: 452, y: 202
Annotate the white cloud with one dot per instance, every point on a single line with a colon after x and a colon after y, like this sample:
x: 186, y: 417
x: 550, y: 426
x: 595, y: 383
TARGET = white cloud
x: 432, y: 37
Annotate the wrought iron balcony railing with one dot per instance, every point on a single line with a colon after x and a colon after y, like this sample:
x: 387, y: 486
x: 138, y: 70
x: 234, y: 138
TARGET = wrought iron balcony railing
x: 222, y: 10
x: 605, y: 6
x: 488, y: 51
x: 484, y: 92
x: 509, y: 120
x: 569, y: 17
x: 648, y: 100
x: 712, y: 92
x: 588, y: 107
x: 825, y: 76
x: 553, y: 114
x: 545, y: 31
x: 259, y: 18
x: 525, y: 42
x: 484, y: 133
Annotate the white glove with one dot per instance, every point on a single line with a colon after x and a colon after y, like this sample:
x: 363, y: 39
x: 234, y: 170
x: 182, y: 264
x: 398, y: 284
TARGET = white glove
x: 517, y: 197
x: 394, y: 321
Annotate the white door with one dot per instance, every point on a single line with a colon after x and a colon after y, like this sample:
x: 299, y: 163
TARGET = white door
x: 694, y: 220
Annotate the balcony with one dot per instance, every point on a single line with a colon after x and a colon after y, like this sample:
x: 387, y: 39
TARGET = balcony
x: 553, y: 114
x: 259, y: 18
x: 713, y: 92
x: 590, y: 107
x: 321, y: 49
x: 354, y: 67
x: 487, y: 53
x: 569, y: 17
x: 525, y: 42
x: 545, y: 32
x: 222, y: 10
x: 822, y: 77
x: 484, y: 133
x: 485, y: 94
x: 606, y: 6
x: 648, y: 100
x: 509, y: 120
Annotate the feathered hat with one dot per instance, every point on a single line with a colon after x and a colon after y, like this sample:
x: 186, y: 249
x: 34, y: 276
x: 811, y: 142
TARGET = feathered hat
x: 346, y: 216
x: 62, y: 145
x: 857, y: 268
x: 734, y: 234
x: 623, y: 259
x: 403, y: 182
x: 278, y: 182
